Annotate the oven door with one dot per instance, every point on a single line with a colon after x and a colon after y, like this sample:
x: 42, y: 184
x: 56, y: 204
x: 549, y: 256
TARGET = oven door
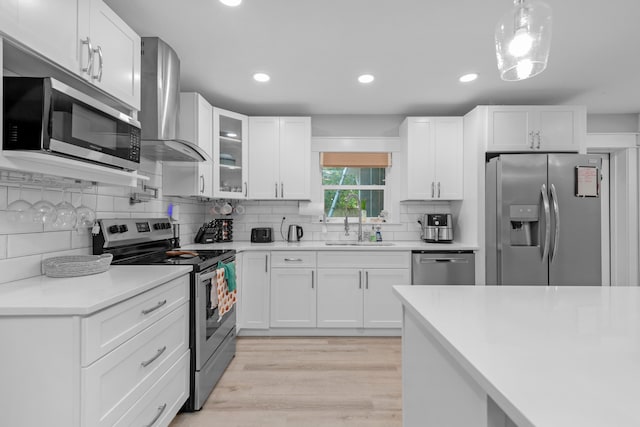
x: 211, y: 330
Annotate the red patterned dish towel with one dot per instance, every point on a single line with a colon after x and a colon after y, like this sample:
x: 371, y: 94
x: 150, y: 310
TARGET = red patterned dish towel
x: 226, y: 299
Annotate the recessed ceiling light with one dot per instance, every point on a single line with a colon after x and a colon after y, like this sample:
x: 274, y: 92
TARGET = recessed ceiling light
x: 366, y: 78
x: 261, y: 77
x: 232, y: 3
x: 468, y: 78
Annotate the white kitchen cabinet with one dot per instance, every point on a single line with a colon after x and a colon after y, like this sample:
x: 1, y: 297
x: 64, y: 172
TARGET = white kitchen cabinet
x: 254, y: 283
x: 116, y: 48
x: 280, y: 158
x: 193, y: 179
x: 293, y: 289
x: 535, y: 128
x: 230, y: 146
x: 354, y: 289
x: 83, y: 36
x: 431, y: 160
x: 102, y: 368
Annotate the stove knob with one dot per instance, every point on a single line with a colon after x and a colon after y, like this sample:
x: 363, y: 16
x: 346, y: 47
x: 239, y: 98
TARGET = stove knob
x: 157, y: 226
x: 123, y: 228
x: 114, y: 229
x: 167, y: 225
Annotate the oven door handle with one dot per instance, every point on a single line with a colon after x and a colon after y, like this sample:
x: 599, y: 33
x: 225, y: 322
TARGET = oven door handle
x: 208, y: 276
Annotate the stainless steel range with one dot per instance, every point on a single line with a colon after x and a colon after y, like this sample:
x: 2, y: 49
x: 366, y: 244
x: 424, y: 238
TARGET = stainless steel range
x: 151, y: 241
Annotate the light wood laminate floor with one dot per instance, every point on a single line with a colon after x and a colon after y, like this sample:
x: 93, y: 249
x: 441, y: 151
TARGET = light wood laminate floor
x: 322, y: 381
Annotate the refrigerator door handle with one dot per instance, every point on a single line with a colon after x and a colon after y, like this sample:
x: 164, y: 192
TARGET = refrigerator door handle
x: 547, y: 219
x: 556, y: 214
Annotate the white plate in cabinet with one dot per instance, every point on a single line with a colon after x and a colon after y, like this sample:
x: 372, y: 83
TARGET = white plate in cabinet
x: 159, y: 405
x: 107, y: 329
x: 112, y: 384
x: 293, y: 259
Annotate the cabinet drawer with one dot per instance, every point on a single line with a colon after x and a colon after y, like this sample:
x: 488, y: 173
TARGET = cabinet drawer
x: 161, y: 403
x: 115, y: 382
x: 364, y: 259
x: 107, y: 329
x: 293, y: 259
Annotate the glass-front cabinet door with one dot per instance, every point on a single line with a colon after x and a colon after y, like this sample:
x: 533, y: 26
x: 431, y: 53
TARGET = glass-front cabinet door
x: 230, y: 142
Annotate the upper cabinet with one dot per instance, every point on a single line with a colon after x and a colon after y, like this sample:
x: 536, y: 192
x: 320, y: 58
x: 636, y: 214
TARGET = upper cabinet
x: 280, y: 158
x: 535, y: 128
x: 193, y: 179
x: 230, y: 145
x: 431, y: 162
x: 84, y: 37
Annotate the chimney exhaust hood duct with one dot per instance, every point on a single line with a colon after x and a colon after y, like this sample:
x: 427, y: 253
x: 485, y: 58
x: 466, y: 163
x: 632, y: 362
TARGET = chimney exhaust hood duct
x: 160, y: 99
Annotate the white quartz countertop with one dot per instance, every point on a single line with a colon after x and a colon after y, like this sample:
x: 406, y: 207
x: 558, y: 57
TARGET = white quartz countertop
x: 548, y: 356
x: 46, y: 296
x: 318, y: 245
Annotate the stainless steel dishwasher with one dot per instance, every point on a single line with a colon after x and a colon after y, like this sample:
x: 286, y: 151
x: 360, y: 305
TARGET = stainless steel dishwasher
x: 443, y: 268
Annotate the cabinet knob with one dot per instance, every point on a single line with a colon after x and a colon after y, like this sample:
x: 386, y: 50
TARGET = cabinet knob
x: 538, y: 135
x: 531, y: 139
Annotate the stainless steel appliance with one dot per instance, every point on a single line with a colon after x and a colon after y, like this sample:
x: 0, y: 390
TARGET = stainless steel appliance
x: 437, y: 228
x: 160, y: 99
x: 262, y: 235
x: 212, y: 340
x: 443, y: 268
x: 294, y: 233
x: 543, y: 219
x: 43, y: 114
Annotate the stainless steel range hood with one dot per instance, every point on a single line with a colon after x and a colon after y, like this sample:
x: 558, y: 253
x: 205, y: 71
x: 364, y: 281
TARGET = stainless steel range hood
x: 160, y: 98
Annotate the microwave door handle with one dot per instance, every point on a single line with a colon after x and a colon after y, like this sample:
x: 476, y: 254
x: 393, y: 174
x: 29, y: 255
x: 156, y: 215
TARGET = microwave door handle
x: 547, y: 219
x: 556, y: 215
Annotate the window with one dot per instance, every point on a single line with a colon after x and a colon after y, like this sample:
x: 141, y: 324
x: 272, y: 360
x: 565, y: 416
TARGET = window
x: 352, y: 178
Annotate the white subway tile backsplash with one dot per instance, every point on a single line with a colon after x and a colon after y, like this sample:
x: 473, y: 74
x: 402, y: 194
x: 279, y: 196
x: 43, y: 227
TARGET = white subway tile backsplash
x: 3, y: 247
x: 37, y: 243
x: 3, y: 198
x: 81, y: 238
x: 11, y: 227
x: 20, y: 268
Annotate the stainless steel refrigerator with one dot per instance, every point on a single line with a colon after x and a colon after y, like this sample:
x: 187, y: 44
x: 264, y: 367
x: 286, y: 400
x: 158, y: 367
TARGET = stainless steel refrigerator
x: 543, y: 219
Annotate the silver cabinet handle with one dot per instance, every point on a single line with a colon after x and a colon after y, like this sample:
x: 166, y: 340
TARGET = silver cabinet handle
x: 276, y: 190
x: 366, y: 280
x: 359, y: 279
x: 436, y: 260
x: 266, y: 263
x: 312, y: 274
x: 150, y: 310
x: 161, y: 409
x: 89, y: 67
x: 202, y: 182
x: 281, y: 190
x: 293, y: 259
x: 246, y: 189
x: 150, y: 361
x: 98, y: 76
x: 547, y: 219
x: 438, y: 189
x: 539, y: 138
x: 556, y: 214
x: 433, y: 189
x: 531, y: 139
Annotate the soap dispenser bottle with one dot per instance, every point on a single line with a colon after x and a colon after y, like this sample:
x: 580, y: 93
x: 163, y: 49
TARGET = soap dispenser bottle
x: 378, y: 234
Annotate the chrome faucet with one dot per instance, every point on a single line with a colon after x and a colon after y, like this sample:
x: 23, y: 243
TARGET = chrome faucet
x: 346, y: 217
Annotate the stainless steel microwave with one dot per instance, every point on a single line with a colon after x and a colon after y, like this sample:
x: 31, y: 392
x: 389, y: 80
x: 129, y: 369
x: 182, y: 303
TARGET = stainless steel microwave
x: 43, y: 114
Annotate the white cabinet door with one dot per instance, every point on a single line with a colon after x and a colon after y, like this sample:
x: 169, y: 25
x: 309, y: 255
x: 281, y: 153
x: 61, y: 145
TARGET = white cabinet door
x: 230, y: 151
x: 295, y: 158
x: 420, y: 153
x: 381, y: 308
x: 51, y: 28
x: 447, y: 154
x: 510, y: 129
x: 195, y: 126
x: 293, y: 298
x: 253, y: 302
x: 339, y: 298
x: 264, y: 158
x: 559, y: 130
x: 116, y: 68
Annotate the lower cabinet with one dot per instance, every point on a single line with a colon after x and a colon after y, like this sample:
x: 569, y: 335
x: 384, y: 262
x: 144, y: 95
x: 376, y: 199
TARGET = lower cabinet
x: 254, y: 283
x: 293, y: 289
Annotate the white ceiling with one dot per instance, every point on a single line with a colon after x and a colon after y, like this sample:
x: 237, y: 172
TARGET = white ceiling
x: 315, y: 49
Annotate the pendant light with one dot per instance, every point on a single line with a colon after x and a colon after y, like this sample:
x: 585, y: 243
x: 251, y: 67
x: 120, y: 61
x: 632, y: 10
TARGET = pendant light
x: 523, y: 39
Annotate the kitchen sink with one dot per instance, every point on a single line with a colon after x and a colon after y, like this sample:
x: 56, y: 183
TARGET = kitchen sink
x: 355, y: 243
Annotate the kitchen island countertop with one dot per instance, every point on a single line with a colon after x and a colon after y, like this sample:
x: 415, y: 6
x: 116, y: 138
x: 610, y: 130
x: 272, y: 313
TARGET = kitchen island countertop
x: 546, y: 356
x: 83, y: 295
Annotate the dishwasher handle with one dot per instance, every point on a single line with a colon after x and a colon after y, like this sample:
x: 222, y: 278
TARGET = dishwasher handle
x: 425, y: 260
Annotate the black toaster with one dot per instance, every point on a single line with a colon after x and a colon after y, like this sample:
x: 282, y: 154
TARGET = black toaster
x: 262, y: 235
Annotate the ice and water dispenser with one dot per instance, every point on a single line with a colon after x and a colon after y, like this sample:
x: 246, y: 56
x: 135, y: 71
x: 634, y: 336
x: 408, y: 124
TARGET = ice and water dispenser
x: 524, y: 225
